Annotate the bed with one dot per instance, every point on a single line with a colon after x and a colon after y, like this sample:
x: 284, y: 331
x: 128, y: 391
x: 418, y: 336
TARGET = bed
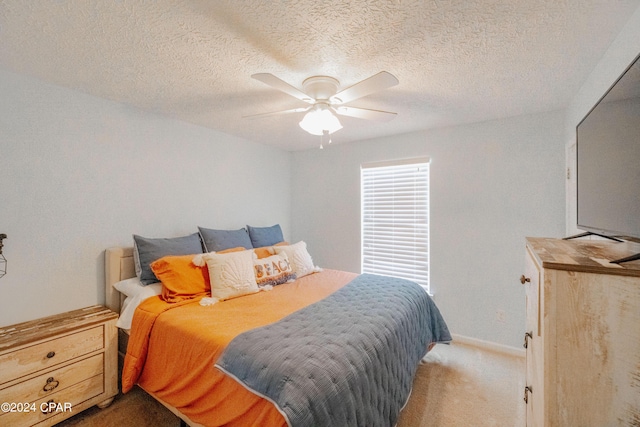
x: 298, y: 353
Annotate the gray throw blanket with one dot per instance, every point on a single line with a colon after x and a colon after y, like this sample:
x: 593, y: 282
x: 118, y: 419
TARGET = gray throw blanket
x: 347, y: 360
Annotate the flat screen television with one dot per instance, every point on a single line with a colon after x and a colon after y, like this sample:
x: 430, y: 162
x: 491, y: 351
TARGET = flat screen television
x: 608, y: 161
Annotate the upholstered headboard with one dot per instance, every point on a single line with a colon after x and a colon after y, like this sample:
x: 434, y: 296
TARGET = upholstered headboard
x: 118, y: 265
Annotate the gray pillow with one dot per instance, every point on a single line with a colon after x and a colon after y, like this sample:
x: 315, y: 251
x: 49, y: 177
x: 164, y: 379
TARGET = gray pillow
x: 219, y: 240
x: 146, y: 251
x: 265, y: 236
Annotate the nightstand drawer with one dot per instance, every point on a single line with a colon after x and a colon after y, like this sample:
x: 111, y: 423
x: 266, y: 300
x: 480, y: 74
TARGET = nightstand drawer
x: 71, y: 397
x: 54, y: 381
x: 69, y: 359
x: 34, y: 358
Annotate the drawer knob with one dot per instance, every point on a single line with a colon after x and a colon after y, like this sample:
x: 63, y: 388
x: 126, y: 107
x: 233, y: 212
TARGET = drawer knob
x: 527, y: 390
x: 51, y: 384
x: 524, y: 279
x: 48, y: 406
x: 51, y: 354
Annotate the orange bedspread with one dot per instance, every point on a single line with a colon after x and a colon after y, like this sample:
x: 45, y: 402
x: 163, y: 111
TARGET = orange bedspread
x: 173, y: 348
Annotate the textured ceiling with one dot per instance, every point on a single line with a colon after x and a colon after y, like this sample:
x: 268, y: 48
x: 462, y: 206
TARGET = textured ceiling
x: 458, y: 61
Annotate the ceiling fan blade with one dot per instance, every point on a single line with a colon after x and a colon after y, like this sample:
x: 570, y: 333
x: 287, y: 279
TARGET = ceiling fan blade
x: 382, y: 80
x: 281, y: 85
x: 276, y: 113
x: 363, y: 113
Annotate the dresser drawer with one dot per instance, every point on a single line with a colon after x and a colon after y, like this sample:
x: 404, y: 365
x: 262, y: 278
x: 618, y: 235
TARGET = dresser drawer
x: 67, y: 398
x: 53, y: 381
x: 40, y: 356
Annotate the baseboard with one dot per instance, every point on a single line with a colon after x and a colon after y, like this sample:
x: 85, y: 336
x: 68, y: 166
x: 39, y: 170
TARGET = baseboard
x: 489, y: 345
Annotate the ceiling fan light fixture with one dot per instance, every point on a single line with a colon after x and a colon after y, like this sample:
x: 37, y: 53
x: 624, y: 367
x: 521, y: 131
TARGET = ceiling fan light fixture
x: 325, y: 99
x: 319, y: 120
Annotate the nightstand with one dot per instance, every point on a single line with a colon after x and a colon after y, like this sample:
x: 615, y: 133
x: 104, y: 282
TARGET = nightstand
x: 53, y: 368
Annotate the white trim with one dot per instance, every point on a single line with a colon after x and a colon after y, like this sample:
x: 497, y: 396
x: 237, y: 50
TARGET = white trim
x: 489, y: 345
x: 395, y: 162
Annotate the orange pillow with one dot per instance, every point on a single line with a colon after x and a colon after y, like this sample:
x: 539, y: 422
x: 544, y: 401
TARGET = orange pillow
x: 267, y: 251
x: 263, y: 252
x: 181, y: 279
x: 228, y: 251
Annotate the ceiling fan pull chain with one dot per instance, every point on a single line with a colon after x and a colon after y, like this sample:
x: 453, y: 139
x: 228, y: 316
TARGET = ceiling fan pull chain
x: 324, y: 133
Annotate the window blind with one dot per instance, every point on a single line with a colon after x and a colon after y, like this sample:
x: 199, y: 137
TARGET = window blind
x: 395, y: 219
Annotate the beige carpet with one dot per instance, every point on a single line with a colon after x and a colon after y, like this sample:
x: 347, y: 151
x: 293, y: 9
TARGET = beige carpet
x: 134, y: 409
x: 455, y: 386
x: 460, y: 385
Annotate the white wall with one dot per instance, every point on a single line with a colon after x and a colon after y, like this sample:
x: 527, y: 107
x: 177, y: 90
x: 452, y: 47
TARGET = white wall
x: 67, y: 191
x: 492, y: 184
x: 79, y: 174
x: 624, y: 49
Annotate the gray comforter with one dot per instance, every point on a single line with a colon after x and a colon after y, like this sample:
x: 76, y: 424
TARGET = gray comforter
x: 347, y: 360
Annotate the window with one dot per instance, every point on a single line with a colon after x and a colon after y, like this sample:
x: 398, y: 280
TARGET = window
x: 395, y: 219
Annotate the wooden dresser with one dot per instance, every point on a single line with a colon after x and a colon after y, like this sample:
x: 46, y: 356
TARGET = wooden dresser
x: 582, y: 333
x: 54, y: 367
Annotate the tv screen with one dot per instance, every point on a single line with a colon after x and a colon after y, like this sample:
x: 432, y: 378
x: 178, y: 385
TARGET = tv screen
x: 608, y: 161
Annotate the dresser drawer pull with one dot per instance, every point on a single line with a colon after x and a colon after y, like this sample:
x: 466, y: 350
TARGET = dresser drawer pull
x: 524, y: 279
x: 51, y: 384
x: 51, y: 354
x: 527, y: 337
x: 48, y: 407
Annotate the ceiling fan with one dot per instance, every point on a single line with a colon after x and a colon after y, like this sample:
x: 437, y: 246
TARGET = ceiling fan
x: 321, y: 92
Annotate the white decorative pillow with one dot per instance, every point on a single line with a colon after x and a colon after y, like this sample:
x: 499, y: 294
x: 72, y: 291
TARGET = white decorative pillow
x: 132, y: 301
x: 273, y: 270
x: 231, y: 274
x: 130, y: 287
x: 300, y: 260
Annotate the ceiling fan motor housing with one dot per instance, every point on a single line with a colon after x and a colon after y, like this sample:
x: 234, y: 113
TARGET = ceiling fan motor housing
x: 320, y: 87
x: 322, y: 93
